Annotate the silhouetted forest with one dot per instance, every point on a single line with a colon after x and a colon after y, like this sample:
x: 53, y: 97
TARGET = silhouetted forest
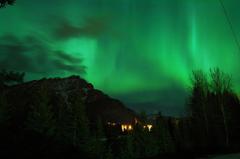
x: 215, y: 110
x: 47, y: 125
x: 69, y: 118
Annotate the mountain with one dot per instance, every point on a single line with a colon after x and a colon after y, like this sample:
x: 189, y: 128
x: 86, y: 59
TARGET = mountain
x: 60, y: 90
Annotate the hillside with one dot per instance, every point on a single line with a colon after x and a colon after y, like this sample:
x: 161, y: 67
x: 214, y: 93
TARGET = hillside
x: 60, y: 90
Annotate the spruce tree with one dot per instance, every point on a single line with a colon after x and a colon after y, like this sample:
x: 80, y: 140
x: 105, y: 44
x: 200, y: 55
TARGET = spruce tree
x: 221, y: 83
x: 198, y: 105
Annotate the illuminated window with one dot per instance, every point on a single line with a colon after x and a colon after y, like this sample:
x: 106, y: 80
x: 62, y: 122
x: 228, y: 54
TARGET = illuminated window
x: 126, y: 128
x: 149, y: 127
x: 111, y: 124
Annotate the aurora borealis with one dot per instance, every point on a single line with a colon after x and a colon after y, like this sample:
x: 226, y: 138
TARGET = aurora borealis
x: 140, y: 51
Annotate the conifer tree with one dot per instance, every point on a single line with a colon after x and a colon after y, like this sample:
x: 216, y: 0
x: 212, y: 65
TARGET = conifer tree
x: 220, y: 84
x: 198, y: 105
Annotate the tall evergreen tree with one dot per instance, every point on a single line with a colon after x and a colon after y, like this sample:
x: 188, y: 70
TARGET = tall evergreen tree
x: 199, y: 107
x: 221, y: 84
x: 199, y: 96
x: 209, y: 104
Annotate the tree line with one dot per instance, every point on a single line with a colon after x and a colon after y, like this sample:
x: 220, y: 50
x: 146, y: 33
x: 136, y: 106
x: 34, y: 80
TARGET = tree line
x: 214, y: 111
x: 45, y: 128
x: 42, y: 129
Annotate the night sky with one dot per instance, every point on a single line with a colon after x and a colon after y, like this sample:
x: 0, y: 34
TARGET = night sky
x: 139, y: 51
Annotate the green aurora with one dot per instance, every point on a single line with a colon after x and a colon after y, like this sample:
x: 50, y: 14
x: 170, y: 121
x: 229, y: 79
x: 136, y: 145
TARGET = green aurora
x: 140, y: 51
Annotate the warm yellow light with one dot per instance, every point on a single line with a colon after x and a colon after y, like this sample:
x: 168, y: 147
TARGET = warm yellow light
x: 112, y: 124
x: 130, y: 127
x: 149, y: 127
x: 126, y: 127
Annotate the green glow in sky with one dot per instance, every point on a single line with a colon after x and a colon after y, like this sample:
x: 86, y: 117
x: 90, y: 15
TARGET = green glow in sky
x: 141, y: 51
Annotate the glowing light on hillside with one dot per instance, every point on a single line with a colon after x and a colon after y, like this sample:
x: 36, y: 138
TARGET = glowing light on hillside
x: 126, y: 127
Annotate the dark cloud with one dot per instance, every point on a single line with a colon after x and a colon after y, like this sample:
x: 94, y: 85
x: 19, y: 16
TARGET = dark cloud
x: 69, y: 67
x: 63, y: 56
x: 30, y: 54
x: 92, y: 27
